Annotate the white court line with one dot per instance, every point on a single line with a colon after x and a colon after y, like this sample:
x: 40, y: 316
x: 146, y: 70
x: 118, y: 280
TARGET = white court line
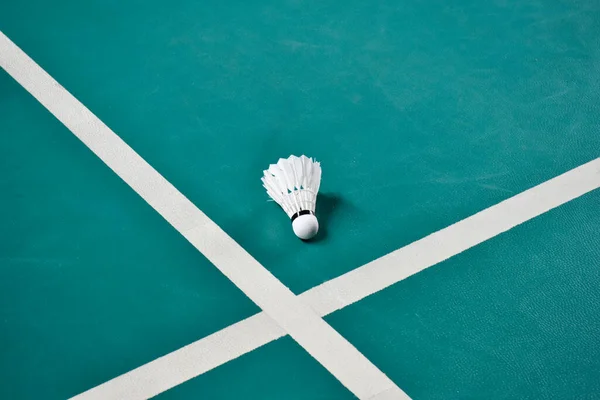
x: 296, y: 318
x: 448, y: 242
x: 227, y: 344
x: 244, y: 336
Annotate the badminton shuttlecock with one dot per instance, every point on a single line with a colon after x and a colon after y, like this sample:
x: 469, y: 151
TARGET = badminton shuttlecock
x: 294, y: 183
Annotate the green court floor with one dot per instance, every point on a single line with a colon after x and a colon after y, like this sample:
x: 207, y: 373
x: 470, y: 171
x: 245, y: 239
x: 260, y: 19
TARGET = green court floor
x: 422, y: 113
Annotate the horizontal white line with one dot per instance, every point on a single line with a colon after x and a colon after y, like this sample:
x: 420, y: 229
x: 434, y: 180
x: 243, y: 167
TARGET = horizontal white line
x: 448, y: 242
x: 317, y: 337
x: 194, y: 360
x: 190, y: 361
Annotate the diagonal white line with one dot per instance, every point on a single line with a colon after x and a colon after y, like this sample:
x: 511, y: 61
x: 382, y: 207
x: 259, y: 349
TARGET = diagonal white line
x: 244, y: 336
x: 452, y: 240
x: 227, y: 344
x: 190, y: 361
x: 296, y: 318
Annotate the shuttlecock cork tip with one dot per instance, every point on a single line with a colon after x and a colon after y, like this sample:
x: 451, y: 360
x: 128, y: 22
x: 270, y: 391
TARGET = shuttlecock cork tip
x: 305, y: 225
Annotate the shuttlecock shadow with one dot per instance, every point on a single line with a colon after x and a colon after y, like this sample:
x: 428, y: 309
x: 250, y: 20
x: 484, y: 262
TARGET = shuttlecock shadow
x: 328, y: 206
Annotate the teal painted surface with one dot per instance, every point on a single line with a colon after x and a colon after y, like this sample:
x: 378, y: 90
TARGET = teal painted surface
x: 93, y: 282
x: 421, y: 112
x: 279, y: 370
x: 514, y: 318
